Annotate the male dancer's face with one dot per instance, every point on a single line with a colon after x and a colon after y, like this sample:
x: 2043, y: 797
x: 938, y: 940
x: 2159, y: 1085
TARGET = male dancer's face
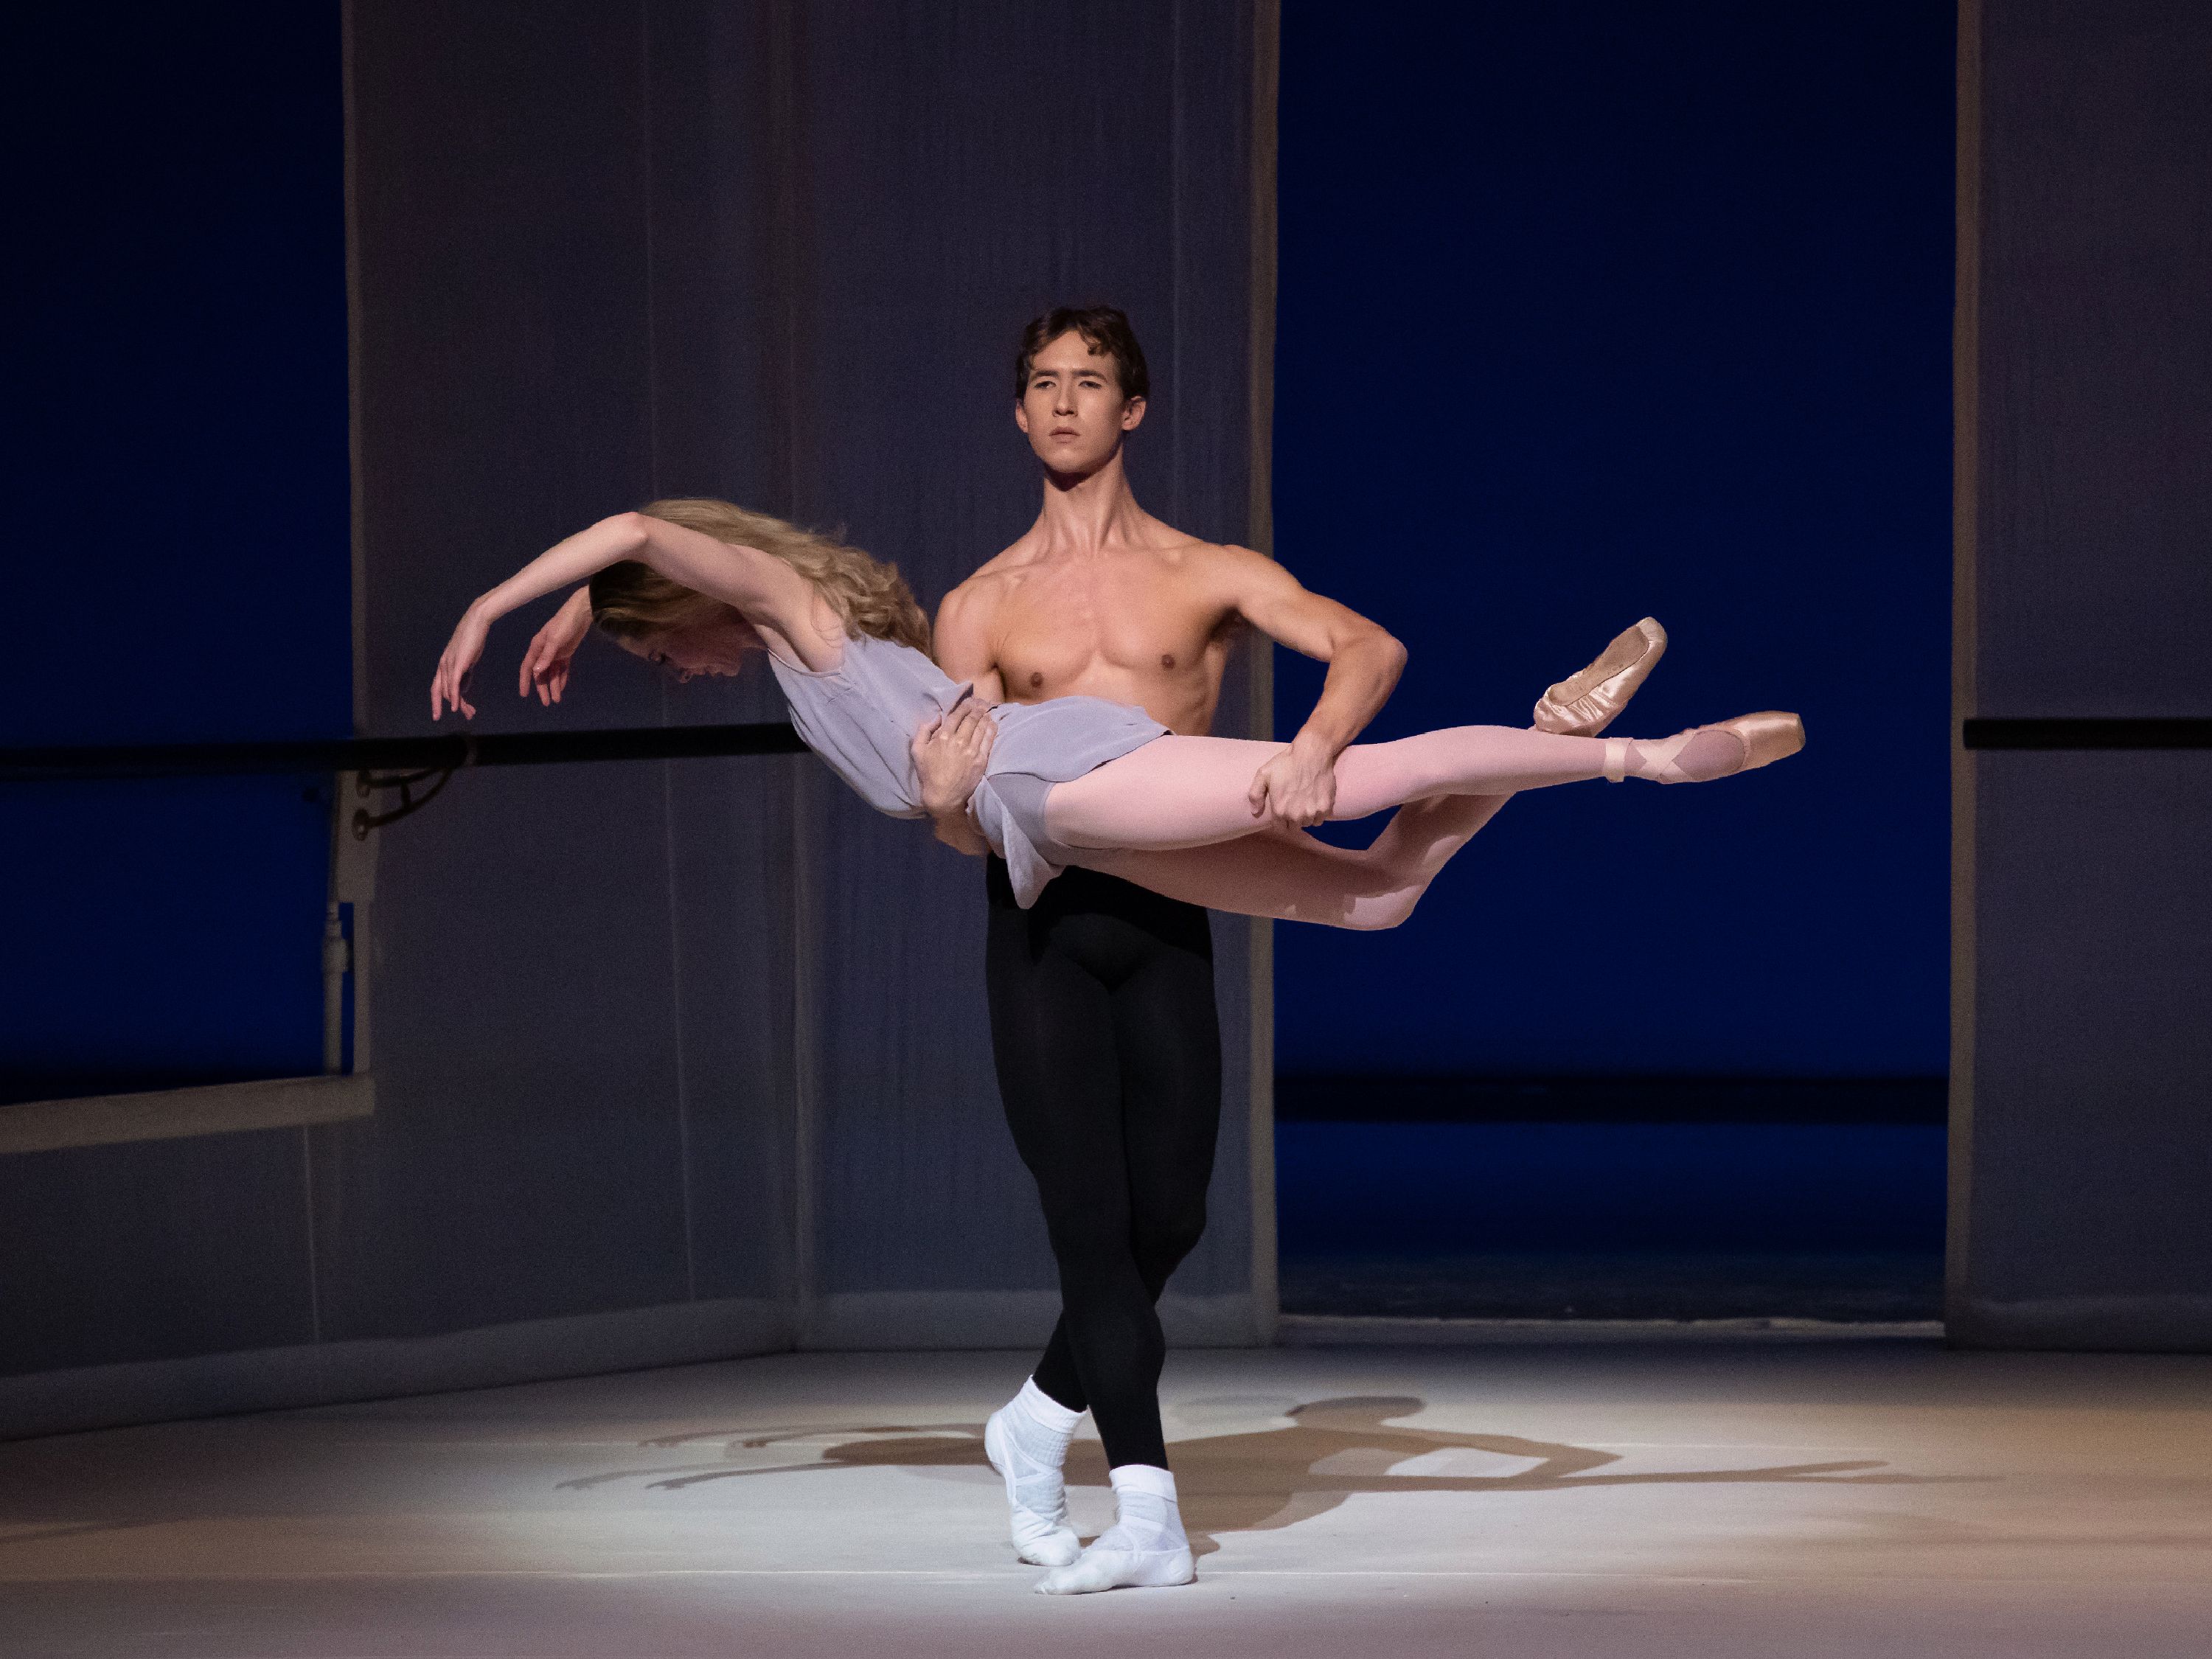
x: 1074, y: 411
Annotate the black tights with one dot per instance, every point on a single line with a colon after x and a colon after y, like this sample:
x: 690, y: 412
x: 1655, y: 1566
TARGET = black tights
x: 1108, y: 1051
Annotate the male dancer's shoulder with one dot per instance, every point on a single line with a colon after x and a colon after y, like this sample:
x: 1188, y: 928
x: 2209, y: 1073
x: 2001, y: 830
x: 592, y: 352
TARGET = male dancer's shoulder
x: 1198, y: 555
x: 991, y: 579
x: 1222, y: 573
x: 971, y: 604
x: 968, y: 618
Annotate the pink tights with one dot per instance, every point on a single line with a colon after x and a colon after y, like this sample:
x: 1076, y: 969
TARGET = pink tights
x: 1173, y: 816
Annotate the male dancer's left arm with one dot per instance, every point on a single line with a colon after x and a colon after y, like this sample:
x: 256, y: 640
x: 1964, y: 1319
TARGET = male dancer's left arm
x: 1298, y: 787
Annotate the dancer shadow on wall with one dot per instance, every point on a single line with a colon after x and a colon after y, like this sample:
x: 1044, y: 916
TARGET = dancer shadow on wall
x: 1266, y: 1478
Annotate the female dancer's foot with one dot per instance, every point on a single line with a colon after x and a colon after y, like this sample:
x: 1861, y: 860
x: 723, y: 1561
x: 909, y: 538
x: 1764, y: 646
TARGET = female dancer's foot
x: 1144, y: 1548
x: 1026, y: 1441
x: 1584, y: 704
x: 1705, y: 752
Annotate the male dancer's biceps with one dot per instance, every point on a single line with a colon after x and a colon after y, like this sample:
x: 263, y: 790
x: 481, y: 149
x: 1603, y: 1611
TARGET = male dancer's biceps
x: 1289, y: 613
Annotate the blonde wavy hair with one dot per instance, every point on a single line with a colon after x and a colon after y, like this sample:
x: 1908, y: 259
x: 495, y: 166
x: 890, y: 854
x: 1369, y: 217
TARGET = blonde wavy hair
x: 631, y: 600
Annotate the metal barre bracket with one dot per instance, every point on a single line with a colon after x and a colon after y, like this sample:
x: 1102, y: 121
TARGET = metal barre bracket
x: 409, y: 802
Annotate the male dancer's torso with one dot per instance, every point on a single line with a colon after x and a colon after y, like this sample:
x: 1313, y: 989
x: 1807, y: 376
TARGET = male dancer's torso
x: 1146, y: 621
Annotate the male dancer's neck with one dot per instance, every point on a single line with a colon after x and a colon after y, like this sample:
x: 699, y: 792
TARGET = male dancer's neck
x: 1087, y: 511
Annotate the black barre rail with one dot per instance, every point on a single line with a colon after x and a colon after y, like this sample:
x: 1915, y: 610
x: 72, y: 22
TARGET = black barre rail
x: 2072, y: 734
x: 455, y: 749
x: 450, y: 751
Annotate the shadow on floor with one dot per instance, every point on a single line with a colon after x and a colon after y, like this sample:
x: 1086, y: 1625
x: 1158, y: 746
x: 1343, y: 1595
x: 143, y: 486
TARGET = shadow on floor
x: 1267, y: 1478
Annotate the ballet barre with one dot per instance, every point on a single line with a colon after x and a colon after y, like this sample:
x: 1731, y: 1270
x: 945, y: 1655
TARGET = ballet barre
x: 2087, y: 733
x: 406, y: 764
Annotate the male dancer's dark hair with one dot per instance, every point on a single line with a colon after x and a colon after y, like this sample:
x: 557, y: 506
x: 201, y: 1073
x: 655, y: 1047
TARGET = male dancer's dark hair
x: 1104, y: 329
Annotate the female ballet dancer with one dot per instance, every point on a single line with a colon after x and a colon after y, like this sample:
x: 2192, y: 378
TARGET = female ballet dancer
x: 699, y: 585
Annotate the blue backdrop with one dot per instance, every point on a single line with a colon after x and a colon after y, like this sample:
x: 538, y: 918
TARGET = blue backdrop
x: 1587, y: 310
x: 1596, y: 309
x: 176, y: 481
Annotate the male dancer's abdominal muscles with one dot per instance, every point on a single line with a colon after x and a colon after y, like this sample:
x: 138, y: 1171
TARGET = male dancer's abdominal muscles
x: 1184, y: 702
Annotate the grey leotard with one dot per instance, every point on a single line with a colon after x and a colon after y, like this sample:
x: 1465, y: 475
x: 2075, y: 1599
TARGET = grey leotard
x: 861, y: 716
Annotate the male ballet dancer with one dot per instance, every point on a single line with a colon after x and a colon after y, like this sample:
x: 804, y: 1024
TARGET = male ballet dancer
x: 1101, y: 996
x: 1102, y: 1018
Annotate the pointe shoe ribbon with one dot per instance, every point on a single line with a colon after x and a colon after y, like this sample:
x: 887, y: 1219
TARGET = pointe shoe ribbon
x: 1766, y: 737
x: 1584, y: 704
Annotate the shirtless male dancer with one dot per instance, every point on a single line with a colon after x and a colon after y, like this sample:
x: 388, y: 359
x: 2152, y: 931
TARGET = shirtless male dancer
x: 1102, y: 995
x: 1102, y: 1018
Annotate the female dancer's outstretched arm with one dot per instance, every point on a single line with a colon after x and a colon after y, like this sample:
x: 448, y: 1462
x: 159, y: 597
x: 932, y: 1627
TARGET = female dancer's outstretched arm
x: 770, y: 595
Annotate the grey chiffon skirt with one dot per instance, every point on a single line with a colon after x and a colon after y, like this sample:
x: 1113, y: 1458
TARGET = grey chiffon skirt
x: 1039, y: 744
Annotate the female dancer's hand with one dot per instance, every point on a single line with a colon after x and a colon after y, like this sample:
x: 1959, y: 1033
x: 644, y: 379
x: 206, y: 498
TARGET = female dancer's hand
x: 951, y: 755
x: 546, y: 663
x: 459, y: 660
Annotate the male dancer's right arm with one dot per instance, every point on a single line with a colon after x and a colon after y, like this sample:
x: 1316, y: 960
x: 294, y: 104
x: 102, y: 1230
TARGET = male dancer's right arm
x: 961, y: 642
x: 951, y: 755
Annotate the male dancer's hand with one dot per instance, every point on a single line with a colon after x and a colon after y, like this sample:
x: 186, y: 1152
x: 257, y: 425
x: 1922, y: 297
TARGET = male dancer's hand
x: 1297, y: 787
x: 951, y: 755
x: 545, y: 664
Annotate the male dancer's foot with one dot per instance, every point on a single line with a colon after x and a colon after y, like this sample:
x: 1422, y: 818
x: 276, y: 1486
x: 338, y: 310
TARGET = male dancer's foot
x: 1026, y: 1441
x: 1144, y: 1548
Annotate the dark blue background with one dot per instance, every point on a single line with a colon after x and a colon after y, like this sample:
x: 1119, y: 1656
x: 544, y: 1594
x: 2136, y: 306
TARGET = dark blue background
x: 1587, y: 310
x: 1593, y: 310
x: 1428, y: 1189
x: 177, y: 496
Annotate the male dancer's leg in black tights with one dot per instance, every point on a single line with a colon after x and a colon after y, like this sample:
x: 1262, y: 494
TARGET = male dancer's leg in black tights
x: 1108, y: 1051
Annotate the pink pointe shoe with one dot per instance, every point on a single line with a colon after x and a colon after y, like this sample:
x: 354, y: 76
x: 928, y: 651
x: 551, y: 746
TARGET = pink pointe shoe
x: 1764, y: 739
x: 1583, y: 705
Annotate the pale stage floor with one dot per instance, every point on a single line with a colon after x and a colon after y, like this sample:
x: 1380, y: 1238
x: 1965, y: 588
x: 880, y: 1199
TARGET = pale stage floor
x: 1888, y: 1498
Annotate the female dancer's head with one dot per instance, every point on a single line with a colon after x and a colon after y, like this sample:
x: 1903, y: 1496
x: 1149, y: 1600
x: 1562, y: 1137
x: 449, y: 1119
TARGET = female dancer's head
x: 647, y: 613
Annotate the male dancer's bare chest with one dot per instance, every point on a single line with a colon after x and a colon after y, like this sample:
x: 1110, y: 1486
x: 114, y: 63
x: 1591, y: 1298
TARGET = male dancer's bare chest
x: 1150, y: 651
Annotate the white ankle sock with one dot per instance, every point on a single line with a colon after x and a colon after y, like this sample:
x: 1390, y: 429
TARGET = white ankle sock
x: 1146, y: 1545
x: 1026, y: 1441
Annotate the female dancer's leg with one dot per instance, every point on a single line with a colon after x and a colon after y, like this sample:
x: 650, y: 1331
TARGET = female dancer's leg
x: 1191, y: 792
x: 1288, y: 875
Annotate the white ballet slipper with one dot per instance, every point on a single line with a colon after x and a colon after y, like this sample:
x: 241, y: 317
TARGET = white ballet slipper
x: 1144, y: 1549
x: 1115, y: 1561
x: 1042, y: 1536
